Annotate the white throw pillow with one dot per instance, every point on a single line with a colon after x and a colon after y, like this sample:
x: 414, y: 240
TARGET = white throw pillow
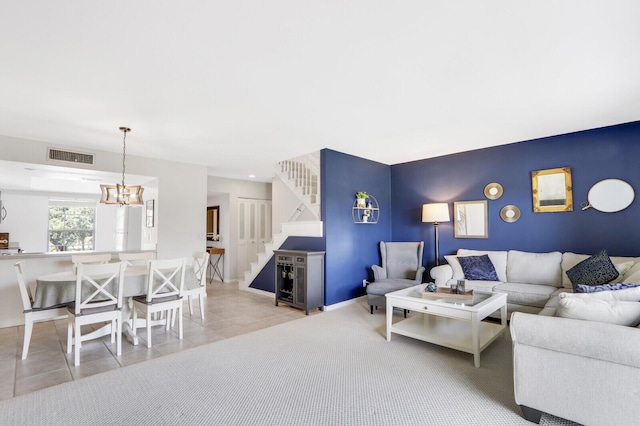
x: 622, y: 269
x: 613, y: 312
x: 498, y: 258
x: 458, y: 273
x: 534, y: 268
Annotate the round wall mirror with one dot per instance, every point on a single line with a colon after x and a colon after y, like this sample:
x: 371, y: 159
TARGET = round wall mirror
x: 609, y: 196
x: 510, y: 213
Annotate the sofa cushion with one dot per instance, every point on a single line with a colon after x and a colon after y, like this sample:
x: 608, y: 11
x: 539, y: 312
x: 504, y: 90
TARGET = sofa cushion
x: 498, y: 258
x: 597, y: 269
x: 609, y: 311
x: 383, y: 287
x: 526, y: 294
x: 478, y: 268
x: 632, y: 276
x: 534, y: 268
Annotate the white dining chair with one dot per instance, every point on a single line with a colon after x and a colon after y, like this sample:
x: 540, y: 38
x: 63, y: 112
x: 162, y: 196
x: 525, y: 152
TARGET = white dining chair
x: 164, y: 294
x: 200, y: 264
x: 99, y: 290
x: 135, y: 259
x: 33, y: 315
x: 89, y: 259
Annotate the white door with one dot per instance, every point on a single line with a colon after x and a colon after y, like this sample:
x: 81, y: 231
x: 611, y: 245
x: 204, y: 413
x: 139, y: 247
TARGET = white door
x: 264, y: 224
x: 242, y: 238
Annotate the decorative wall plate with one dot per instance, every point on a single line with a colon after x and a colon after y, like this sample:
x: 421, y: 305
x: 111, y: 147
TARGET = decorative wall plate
x: 493, y: 191
x: 510, y: 213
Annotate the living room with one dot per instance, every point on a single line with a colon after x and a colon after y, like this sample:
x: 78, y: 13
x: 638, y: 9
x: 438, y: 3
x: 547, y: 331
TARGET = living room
x: 412, y: 103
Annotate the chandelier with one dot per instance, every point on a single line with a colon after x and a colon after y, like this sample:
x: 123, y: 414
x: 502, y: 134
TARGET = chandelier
x: 122, y: 194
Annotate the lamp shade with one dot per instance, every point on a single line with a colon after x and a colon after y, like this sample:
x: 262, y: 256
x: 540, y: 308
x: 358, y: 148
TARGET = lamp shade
x: 435, y: 212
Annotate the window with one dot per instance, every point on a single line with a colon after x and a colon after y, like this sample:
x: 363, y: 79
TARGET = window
x: 71, y: 225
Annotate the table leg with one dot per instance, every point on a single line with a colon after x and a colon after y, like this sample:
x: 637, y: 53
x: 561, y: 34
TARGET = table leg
x: 475, y: 326
x: 389, y: 319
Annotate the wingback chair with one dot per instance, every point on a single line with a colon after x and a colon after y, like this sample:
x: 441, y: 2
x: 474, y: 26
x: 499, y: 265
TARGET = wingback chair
x: 401, y: 267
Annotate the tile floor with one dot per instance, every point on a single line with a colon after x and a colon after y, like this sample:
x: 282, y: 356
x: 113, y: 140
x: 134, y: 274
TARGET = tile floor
x: 228, y: 312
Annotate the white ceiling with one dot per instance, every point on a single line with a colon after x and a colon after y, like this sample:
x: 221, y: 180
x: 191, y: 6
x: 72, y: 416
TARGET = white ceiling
x: 239, y: 85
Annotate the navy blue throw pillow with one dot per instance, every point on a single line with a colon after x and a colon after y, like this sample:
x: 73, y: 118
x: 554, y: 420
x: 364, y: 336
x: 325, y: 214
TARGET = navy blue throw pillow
x: 583, y: 288
x: 478, y: 268
x: 595, y: 270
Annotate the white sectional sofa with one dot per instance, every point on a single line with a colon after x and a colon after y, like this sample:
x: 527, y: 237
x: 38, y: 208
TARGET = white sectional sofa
x: 572, y: 360
x: 529, y: 279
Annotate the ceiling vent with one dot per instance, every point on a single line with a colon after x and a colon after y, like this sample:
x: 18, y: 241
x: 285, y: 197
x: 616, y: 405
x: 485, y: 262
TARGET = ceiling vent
x: 69, y: 156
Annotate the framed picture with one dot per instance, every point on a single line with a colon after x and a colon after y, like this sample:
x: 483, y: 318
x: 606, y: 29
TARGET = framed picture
x: 552, y: 190
x: 150, y: 216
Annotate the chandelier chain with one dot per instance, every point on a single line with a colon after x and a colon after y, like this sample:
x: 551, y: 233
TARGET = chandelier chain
x: 124, y: 152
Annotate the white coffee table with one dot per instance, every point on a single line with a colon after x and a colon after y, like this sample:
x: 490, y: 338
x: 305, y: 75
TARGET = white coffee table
x: 448, y: 322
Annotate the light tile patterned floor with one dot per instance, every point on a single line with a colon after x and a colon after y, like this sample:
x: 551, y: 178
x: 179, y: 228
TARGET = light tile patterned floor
x: 228, y: 312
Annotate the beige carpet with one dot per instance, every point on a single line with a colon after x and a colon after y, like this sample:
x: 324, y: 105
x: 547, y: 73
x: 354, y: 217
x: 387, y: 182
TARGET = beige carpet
x: 334, y: 368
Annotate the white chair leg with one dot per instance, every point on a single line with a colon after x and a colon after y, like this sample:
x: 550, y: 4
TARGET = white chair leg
x: 119, y: 338
x: 113, y: 331
x: 76, y: 354
x: 190, y: 309
x: 180, y: 322
x: 201, y: 305
x: 148, y: 329
x: 69, y: 334
x: 28, y: 329
x: 134, y: 326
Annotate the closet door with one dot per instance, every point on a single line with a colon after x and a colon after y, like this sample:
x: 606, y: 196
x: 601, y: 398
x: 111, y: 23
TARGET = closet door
x: 252, y: 235
x: 242, y: 238
x: 264, y: 224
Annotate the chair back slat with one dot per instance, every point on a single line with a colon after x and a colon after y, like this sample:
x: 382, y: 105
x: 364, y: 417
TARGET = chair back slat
x: 200, y: 264
x: 102, y: 285
x: 90, y: 259
x: 25, y: 291
x: 136, y: 258
x: 166, y: 278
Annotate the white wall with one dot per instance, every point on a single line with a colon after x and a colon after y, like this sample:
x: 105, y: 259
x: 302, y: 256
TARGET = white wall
x: 27, y: 220
x: 233, y: 189
x: 287, y: 203
x: 181, y: 202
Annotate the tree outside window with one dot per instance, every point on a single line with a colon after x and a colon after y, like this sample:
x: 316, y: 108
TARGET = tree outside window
x: 71, y: 228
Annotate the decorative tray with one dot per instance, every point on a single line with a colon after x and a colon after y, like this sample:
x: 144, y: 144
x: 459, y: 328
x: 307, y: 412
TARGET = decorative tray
x: 445, y: 292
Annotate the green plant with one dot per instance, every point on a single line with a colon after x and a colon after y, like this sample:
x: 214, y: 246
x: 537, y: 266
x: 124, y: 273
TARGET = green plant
x: 361, y: 194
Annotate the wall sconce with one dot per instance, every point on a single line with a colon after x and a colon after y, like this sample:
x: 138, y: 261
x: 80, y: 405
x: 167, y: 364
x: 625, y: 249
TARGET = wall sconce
x: 436, y: 213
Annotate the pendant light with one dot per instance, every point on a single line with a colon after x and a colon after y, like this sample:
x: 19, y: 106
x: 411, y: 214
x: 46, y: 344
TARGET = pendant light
x: 122, y: 194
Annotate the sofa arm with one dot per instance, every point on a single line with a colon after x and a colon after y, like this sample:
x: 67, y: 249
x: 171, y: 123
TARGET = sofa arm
x: 441, y: 274
x: 590, y: 339
x: 379, y: 273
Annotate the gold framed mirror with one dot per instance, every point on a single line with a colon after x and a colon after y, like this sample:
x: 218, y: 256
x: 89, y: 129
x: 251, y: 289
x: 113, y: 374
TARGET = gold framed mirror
x: 470, y: 219
x: 551, y: 190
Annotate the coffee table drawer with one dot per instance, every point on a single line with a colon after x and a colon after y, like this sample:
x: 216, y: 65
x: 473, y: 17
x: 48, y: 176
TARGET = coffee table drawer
x: 426, y: 308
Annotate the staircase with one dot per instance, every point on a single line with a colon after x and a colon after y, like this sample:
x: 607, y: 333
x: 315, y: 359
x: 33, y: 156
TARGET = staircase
x: 302, y: 176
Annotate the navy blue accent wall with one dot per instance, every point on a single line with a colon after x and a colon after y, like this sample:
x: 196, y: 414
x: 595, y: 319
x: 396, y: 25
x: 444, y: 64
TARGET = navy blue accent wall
x: 593, y: 155
x: 351, y: 248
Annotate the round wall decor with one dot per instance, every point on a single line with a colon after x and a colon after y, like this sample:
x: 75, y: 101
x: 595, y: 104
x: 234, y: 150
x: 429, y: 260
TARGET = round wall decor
x: 493, y: 191
x: 510, y: 213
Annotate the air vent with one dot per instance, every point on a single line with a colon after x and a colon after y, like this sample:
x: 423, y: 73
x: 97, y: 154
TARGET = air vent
x: 69, y: 156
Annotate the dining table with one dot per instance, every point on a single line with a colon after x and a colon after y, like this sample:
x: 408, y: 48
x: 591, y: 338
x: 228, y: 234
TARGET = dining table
x: 59, y: 288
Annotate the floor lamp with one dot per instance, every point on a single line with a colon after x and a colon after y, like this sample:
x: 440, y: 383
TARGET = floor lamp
x: 436, y: 213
